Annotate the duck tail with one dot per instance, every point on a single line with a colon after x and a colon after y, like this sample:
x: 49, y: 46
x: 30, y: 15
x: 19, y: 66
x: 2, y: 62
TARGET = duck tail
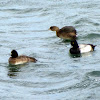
x: 93, y: 47
x: 32, y: 59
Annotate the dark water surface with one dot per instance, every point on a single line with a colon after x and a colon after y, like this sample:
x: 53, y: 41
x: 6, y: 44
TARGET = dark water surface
x: 24, y: 26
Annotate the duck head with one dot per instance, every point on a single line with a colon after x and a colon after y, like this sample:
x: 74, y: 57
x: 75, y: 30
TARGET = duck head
x: 74, y: 44
x: 14, y: 54
x: 54, y: 28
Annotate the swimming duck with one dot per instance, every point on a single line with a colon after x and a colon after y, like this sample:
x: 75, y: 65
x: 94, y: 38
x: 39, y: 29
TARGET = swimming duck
x: 15, y: 59
x: 81, y: 48
x: 67, y: 32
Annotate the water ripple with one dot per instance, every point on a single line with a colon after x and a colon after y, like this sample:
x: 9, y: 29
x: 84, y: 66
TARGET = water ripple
x: 56, y: 76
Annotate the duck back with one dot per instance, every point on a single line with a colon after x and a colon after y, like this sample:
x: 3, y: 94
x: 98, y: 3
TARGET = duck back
x: 67, y: 29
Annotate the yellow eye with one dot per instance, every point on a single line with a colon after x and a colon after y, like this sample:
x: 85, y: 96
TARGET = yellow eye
x: 73, y: 43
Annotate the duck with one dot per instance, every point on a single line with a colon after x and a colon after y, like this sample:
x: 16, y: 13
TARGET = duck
x: 16, y: 60
x: 67, y: 32
x: 81, y: 48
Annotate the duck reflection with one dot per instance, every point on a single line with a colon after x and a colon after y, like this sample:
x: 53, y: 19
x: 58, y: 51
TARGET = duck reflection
x: 13, y: 70
x: 75, y: 55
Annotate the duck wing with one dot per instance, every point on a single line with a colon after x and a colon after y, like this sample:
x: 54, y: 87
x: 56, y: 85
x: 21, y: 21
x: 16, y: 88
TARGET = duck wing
x: 27, y: 58
x: 67, y: 29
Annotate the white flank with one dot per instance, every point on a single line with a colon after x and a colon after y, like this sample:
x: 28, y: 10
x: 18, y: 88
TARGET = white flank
x: 85, y: 48
x: 20, y: 62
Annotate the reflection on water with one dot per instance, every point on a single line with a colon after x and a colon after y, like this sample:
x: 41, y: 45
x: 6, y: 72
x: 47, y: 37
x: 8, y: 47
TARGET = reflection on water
x: 13, y: 70
x: 75, y: 55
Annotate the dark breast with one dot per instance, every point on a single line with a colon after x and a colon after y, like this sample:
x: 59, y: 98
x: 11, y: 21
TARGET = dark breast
x: 74, y: 51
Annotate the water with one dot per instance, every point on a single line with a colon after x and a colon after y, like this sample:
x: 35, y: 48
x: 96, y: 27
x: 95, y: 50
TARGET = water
x: 24, y: 26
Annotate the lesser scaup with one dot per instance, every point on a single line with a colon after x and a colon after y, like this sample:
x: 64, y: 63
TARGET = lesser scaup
x: 15, y: 59
x: 81, y: 48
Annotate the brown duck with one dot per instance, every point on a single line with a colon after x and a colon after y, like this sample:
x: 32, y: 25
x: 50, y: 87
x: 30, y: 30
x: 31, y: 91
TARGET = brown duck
x: 67, y: 32
x: 15, y: 59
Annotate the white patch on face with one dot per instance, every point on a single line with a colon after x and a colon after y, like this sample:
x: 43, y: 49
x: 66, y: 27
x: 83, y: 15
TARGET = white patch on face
x: 85, y: 48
